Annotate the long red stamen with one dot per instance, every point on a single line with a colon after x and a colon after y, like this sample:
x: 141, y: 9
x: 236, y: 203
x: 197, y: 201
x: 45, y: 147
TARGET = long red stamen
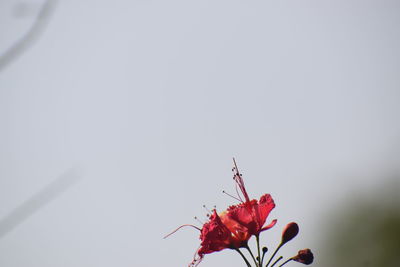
x: 234, y: 170
x: 239, y: 181
x: 237, y: 192
x: 209, y: 211
x: 191, y: 225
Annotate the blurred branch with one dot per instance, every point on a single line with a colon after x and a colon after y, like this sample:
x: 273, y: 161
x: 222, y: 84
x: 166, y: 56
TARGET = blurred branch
x: 31, y: 36
x: 38, y: 201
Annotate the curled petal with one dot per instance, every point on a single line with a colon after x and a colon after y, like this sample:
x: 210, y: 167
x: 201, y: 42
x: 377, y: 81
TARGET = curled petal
x: 266, y: 204
x: 269, y: 225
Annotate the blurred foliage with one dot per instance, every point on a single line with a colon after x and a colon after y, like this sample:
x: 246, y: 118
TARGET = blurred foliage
x: 366, y: 232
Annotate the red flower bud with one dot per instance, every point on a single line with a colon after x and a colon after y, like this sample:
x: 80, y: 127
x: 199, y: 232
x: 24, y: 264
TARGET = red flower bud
x: 304, y: 256
x: 290, y: 231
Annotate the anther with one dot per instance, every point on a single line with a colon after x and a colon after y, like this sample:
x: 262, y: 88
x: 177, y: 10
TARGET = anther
x: 204, y: 206
x: 264, y: 251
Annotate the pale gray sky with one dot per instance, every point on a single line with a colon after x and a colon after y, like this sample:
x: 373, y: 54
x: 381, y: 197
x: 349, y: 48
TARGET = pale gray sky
x: 147, y: 102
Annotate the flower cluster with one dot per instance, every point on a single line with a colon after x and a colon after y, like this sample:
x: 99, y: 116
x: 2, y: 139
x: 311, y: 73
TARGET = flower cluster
x: 232, y: 229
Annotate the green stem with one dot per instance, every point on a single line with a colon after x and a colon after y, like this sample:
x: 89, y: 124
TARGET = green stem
x: 273, y: 255
x: 251, y: 253
x: 244, y: 258
x: 258, y: 249
x: 285, y: 262
x: 262, y: 259
x: 276, y: 261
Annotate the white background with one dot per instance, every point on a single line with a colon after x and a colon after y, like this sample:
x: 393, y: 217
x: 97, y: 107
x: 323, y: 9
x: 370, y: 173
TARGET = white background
x: 147, y: 102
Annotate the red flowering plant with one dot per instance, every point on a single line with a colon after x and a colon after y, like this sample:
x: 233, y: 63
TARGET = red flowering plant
x: 233, y: 228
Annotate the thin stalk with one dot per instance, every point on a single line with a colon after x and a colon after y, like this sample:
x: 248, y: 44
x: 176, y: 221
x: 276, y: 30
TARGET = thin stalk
x: 285, y: 262
x: 258, y: 249
x: 276, y: 261
x: 251, y: 254
x: 244, y: 258
x: 262, y: 258
x: 273, y: 255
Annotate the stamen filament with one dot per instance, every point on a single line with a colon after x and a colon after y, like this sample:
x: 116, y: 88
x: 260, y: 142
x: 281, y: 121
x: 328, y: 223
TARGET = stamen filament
x: 224, y: 192
x: 209, y: 211
x: 239, y: 181
x: 191, y: 225
x: 197, y: 219
x: 237, y: 192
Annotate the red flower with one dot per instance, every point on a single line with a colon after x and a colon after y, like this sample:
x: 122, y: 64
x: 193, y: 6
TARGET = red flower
x: 219, y: 233
x: 251, y: 214
x: 233, y: 228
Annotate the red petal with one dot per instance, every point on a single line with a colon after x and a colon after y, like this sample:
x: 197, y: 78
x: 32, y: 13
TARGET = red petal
x: 243, y: 213
x: 269, y: 225
x: 266, y: 204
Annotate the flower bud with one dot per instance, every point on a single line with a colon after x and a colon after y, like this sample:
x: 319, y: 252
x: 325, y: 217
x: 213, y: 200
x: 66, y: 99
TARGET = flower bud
x: 290, y: 231
x: 304, y: 256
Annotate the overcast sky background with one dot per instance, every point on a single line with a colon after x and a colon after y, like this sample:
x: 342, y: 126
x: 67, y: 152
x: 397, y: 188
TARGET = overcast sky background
x: 146, y: 102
